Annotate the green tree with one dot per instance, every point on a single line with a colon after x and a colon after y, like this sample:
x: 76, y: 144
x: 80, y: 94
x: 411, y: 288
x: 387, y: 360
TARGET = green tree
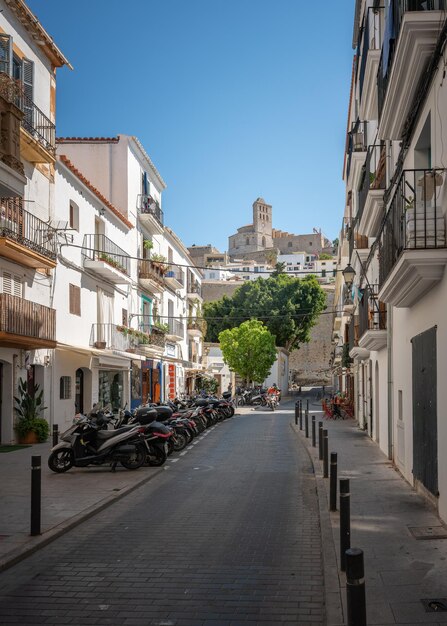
x: 324, y: 256
x: 288, y: 306
x: 280, y: 268
x: 249, y: 350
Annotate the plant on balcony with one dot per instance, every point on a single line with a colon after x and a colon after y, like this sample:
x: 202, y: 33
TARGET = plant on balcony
x: 125, y: 330
x: 111, y: 261
x: 161, y: 262
x: 30, y: 426
x: 148, y: 245
x: 160, y: 326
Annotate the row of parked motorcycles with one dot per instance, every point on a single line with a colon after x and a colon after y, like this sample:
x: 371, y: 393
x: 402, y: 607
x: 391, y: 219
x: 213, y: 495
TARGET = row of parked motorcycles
x: 257, y: 396
x: 145, y: 436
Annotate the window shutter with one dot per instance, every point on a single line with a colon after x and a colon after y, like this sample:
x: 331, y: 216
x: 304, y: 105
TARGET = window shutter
x: 17, y: 286
x: 28, y: 108
x: 145, y: 185
x: 5, y: 54
x: 7, y: 283
x: 74, y: 297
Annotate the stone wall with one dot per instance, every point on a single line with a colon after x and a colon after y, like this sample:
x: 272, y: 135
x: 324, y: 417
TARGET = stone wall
x: 213, y: 290
x: 310, y: 364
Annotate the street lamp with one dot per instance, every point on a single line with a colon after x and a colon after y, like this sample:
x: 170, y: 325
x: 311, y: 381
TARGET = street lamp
x: 348, y: 275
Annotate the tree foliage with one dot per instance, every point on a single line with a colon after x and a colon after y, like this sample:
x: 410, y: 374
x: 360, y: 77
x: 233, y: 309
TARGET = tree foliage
x: 249, y: 350
x: 288, y: 306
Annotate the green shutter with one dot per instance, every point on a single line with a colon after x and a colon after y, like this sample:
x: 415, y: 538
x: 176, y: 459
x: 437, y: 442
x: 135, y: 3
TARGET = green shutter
x: 28, y: 105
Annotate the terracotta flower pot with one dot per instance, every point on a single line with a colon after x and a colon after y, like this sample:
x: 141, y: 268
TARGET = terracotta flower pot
x: 29, y: 438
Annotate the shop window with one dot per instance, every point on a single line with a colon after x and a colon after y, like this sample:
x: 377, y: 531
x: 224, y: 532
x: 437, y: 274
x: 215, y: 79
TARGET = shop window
x: 111, y: 388
x: 65, y: 388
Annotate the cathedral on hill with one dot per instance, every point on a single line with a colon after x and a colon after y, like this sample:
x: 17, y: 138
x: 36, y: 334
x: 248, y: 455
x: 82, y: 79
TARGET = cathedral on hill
x: 258, y: 239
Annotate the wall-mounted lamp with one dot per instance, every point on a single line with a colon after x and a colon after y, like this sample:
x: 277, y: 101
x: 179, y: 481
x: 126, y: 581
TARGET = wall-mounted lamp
x: 101, y: 212
x: 348, y: 275
x: 46, y: 361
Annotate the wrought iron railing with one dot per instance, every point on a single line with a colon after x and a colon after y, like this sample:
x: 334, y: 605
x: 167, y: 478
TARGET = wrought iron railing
x: 146, y: 205
x: 353, y: 332
x: 373, y: 176
x: 398, y: 8
x: 177, y: 273
x: 197, y: 324
x: 372, y: 312
x: 111, y: 336
x: 372, y: 39
x: 101, y: 248
x: 414, y: 219
x: 26, y: 319
x: 26, y: 229
x: 176, y: 328
x: 194, y: 287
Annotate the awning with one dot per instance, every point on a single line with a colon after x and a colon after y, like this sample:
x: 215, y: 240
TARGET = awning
x: 130, y: 356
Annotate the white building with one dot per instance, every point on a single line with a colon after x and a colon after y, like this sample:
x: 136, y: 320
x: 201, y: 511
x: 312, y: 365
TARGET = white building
x: 394, y: 232
x: 28, y: 238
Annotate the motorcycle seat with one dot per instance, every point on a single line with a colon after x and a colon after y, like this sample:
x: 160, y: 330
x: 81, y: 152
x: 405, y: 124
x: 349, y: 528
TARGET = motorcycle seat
x: 107, y: 434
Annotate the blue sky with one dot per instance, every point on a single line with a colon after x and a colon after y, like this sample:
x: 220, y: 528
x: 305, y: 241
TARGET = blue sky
x: 232, y: 99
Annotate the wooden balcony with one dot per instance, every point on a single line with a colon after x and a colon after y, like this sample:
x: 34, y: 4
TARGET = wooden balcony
x: 25, y: 324
x: 24, y: 238
x: 150, y: 275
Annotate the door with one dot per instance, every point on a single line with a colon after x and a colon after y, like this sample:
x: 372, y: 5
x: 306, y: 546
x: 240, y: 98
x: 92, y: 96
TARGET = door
x: 425, y: 414
x: 79, y: 391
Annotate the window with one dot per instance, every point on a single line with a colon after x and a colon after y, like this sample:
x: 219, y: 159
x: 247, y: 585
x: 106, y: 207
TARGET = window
x: 124, y: 317
x: 310, y: 244
x: 65, y: 388
x: 12, y: 284
x: 74, y: 215
x: 74, y: 299
x: 247, y: 241
x: 20, y: 69
x: 323, y: 273
x: 290, y: 244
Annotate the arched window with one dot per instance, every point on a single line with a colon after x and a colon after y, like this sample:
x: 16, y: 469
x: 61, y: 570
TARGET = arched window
x: 263, y: 242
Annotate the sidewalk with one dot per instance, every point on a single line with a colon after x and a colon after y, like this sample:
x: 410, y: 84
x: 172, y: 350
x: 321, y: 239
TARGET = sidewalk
x: 67, y: 499
x: 400, y: 570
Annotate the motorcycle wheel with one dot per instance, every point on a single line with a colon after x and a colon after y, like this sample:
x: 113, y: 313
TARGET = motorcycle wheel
x: 179, y: 442
x: 230, y: 411
x: 240, y: 401
x: 137, y: 460
x: 61, y: 460
x: 156, y: 457
x: 257, y: 402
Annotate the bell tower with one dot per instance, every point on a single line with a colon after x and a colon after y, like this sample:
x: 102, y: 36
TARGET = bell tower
x: 262, y: 217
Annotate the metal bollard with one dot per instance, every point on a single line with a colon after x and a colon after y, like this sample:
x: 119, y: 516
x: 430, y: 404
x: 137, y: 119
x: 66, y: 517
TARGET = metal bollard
x: 313, y: 431
x: 55, y: 434
x: 320, y: 441
x: 296, y: 413
x: 345, y: 521
x: 325, y: 454
x: 35, y: 494
x: 306, y: 423
x: 333, y: 483
x: 301, y: 415
x: 355, y: 587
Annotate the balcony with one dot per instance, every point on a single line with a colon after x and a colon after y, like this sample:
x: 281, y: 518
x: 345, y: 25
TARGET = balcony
x: 356, y: 152
x: 37, y: 132
x: 26, y: 325
x: 175, y: 277
x: 176, y: 331
x: 412, y: 246
x: 194, y: 290
x: 417, y: 26
x: 369, y: 62
x: 353, y: 349
x: 372, y: 320
x: 112, y: 337
x: 106, y: 259
x: 150, y: 275
x: 371, y: 191
x: 151, y: 341
x: 150, y: 214
x: 196, y: 328
x: 24, y: 238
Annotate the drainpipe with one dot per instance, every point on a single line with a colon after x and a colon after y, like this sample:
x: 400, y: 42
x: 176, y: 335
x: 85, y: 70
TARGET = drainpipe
x: 389, y: 338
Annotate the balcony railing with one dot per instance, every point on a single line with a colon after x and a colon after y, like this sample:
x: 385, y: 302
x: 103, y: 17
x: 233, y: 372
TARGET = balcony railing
x: 176, y: 328
x: 194, y: 287
x: 101, y: 248
x: 195, y: 324
x: 372, y: 312
x: 108, y: 336
x: 26, y: 319
x: 146, y: 205
x: 356, y: 141
x: 373, y: 176
x: 414, y: 219
x: 397, y: 10
x: 26, y: 229
x: 372, y: 39
x: 34, y: 121
x: 150, y: 270
x: 353, y: 333
x: 176, y: 273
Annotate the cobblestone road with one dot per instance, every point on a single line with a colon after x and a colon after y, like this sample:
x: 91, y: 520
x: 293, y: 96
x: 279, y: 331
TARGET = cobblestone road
x: 228, y: 535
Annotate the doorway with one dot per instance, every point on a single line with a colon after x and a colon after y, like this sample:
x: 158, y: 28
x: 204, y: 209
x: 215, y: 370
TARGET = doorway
x: 79, y: 391
x: 425, y: 412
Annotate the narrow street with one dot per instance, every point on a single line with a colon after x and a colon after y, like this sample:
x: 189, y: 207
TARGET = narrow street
x: 229, y: 534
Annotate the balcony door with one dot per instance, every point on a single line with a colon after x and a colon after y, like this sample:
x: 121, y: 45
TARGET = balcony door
x: 99, y: 237
x: 104, y: 316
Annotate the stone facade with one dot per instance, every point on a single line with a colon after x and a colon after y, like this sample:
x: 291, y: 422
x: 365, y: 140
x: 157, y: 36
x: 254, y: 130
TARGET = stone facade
x: 310, y: 364
x: 213, y: 290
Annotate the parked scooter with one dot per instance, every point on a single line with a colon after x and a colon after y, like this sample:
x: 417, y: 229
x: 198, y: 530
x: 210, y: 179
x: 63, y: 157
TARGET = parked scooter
x: 86, y: 443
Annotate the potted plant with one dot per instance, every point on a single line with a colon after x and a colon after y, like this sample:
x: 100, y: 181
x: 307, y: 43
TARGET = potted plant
x: 161, y: 262
x: 30, y: 426
x: 148, y: 245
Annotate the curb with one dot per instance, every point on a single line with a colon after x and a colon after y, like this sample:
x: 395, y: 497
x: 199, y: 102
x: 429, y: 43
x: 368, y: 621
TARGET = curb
x: 332, y: 582
x: 35, y: 543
